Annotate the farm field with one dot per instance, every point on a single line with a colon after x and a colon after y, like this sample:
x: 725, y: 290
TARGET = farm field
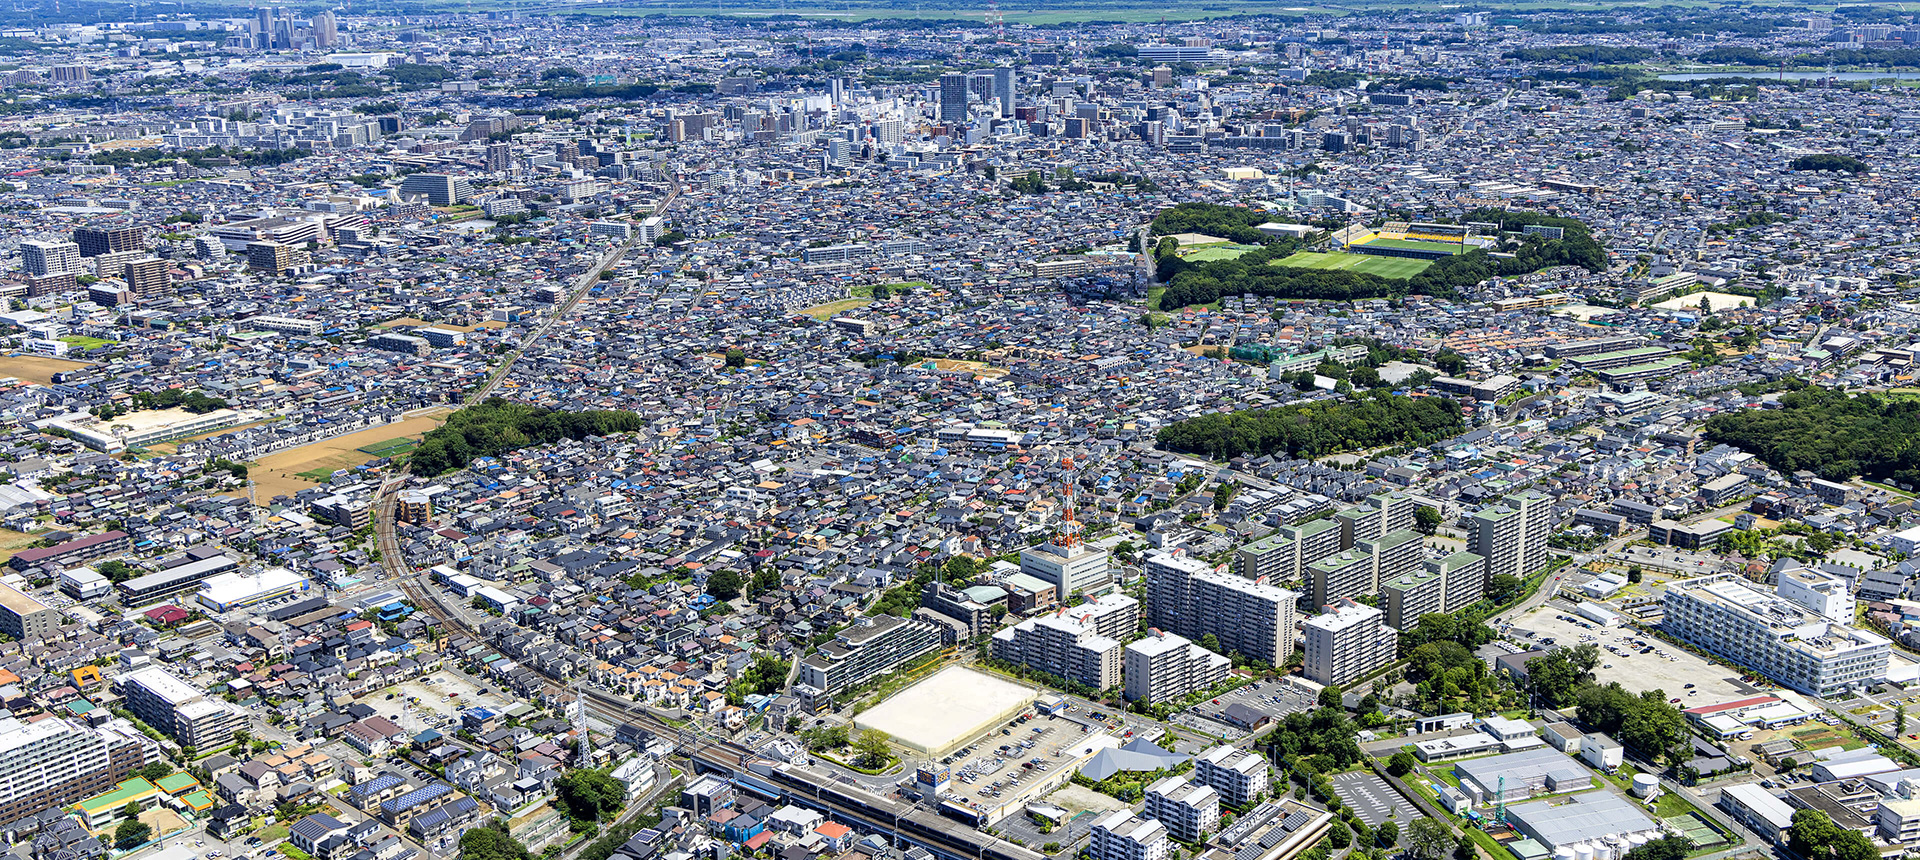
x: 295, y: 469
x: 1387, y: 267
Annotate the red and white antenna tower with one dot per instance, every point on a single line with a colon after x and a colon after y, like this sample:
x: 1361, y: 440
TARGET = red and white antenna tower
x: 996, y: 20
x: 1068, y: 534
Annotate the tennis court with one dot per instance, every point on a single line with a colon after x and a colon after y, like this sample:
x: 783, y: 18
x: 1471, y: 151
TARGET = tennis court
x: 1398, y: 268
x: 1696, y: 829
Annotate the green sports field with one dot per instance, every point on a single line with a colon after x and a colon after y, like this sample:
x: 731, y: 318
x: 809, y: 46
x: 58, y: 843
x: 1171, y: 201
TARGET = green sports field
x: 1398, y: 268
x: 1210, y: 253
x: 1417, y: 245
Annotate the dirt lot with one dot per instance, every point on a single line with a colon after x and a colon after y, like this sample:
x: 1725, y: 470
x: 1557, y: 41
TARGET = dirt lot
x: 12, y: 541
x: 36, y: 368
x: 163, y: 820
x: 1638, y: 672
x: 833, y: 309
x: 279, y: 472
x: 412, y: 321
x: 1075, y: 798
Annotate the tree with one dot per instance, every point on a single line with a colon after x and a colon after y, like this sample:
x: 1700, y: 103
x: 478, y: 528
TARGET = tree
x: 589, y: 795
x: 1429, y: 838
x: 1402, y: 763
x: 1664, y: 848
x: 1501, y: 587
x: 1634, y: 573
x: 491, y: 841
x: 1900, y: 719
x: 1426, y: 520
x: 1464, y: 850
x: 871, y: 749
x: 1339, y: 836
x: 724, y: 585
x: 1557, y: 676
x: 1210, y: 642
x: 1387, y: 834
x: 131, y: 833
x: 130, y: 810
x: 155, y: 771
x: 736, y: 357
x: 1330, y: 696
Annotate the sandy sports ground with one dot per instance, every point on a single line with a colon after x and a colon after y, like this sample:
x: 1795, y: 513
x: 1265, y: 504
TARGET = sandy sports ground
x: 37, y: 368
x: 279, y: 473
x: 833, y: 309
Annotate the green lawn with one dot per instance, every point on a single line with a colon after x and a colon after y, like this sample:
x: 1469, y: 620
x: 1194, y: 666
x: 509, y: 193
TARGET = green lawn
x: 1399, y: 268
x: 1211, y: 253
x: 1417, y: 245
x: 83, y: 342
x: 391, y: 447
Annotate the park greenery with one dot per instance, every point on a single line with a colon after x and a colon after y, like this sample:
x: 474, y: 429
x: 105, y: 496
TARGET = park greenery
x: 1829, y: 433
x: 491, y: 841
x: 1830, y: 161
x: 1316, y: 429
x: 589, y: 796
x: 1258, y: 271
x: 1646, y: 722
x: 497, y: 427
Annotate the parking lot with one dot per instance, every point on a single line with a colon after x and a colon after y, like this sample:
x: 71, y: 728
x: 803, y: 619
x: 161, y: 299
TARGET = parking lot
x: 1272, y: 699
x: 1673, y: 670
x: 1372, y: 798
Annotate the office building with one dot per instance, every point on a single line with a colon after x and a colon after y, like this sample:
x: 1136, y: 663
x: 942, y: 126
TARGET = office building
x: 1079, y: 643
x: 1120, y: 835
x: 1189, y: 811
x: 52, y: 762
x: 440, y: 189
x: 45, y: 257
x: 1512, y: 535
x: 866, y: 649
x: 1187, y: 597
x: 1240, y: 776
x: 94, y: 241
x: 1164, y: 666
x: 26, y: 619
x: 1776, y: 637
x: 170, y: 705
x: 953, y: 97
x: 1071, y: 567
x: 1347, y: 642
x: 1004, y: 80
x: 148, y: 277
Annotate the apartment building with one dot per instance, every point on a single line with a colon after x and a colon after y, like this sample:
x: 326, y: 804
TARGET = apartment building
x: 1512, y: 535
x: 1190, y: 811
x: 1776, y: 637
x: 96, y: 240
x: 1376, y: 516
x: 45, y: 257
x: 1187, y: 597
x: 1413, y: 595
x: 172, y: 706
x: 1284, y: 555
x: 52, y: 762
x: 1359, y: 570
x: 26, y: 619
x: 1121, y: 835
x: 1463, y: 578
x: 1346, y: 642
x: 1080, y: 643
x: 861, y: 652
x: 1240, y: 776
x: 1166, y: 666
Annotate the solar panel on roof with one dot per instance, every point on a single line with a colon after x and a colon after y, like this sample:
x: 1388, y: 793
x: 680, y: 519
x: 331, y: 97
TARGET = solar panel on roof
x: 1294, y: 821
